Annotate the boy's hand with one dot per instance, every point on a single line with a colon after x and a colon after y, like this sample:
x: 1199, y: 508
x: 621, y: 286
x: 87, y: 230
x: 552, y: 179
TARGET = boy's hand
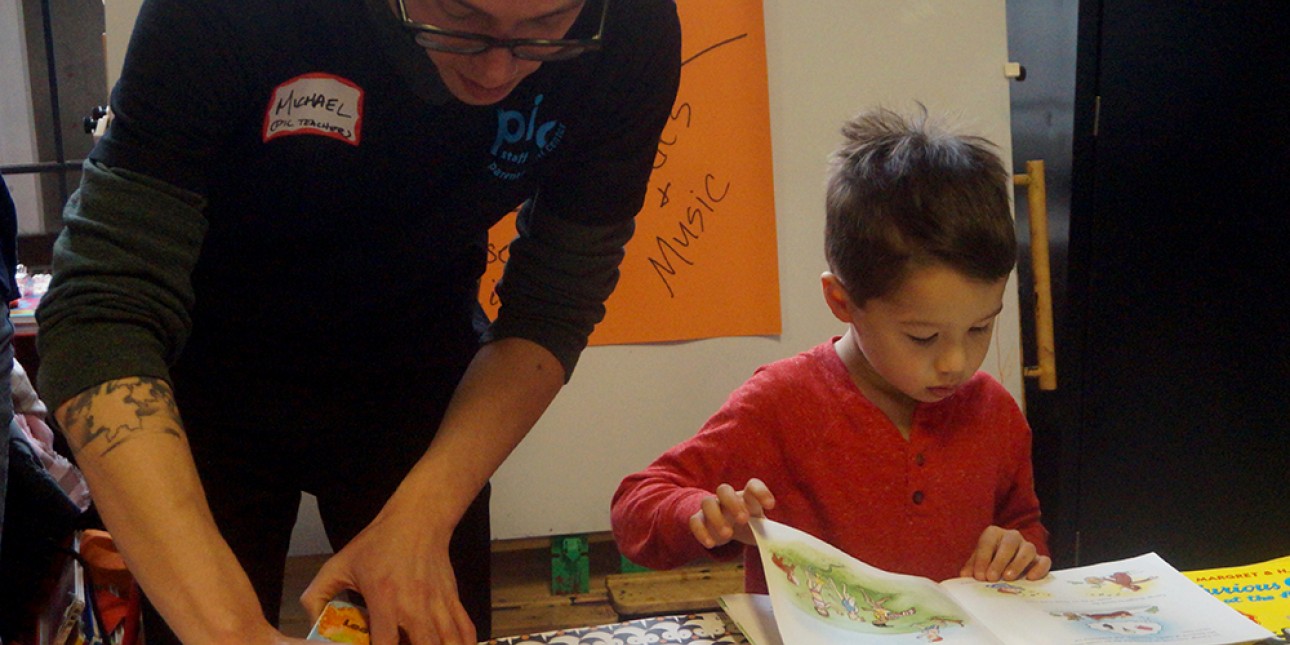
x: 1003, y: 554
x: 724, y: 517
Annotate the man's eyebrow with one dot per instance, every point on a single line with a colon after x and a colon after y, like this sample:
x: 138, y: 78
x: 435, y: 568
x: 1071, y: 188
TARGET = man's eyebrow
x: 573, y: 5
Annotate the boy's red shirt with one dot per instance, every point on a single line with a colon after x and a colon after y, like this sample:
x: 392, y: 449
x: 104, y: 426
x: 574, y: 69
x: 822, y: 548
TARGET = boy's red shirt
x: 841, y: 471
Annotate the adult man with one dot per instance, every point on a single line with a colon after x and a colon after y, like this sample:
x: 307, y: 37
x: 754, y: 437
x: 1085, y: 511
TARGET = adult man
x: 9, y: 288
x: 291, y: 208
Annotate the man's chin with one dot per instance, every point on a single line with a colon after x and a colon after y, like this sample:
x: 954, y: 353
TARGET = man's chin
x: 472, y: 93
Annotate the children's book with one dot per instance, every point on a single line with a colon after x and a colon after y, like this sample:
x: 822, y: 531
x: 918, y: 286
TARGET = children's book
x: 63, y: 620
x: 821, y: 595
x: 1260, y: 591
x: 341, y: 622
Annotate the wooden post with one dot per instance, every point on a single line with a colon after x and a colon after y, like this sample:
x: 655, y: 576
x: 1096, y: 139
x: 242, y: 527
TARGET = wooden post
x: 1037, y: 207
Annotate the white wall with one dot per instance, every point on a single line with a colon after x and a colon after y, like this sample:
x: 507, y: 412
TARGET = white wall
x: 17, y: 127
x: 118, y: 19
x: 827, y: 59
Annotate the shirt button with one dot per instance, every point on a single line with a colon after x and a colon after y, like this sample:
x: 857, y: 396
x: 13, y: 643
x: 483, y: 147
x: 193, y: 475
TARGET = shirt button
x: 918, y: 497
x: 918, y: 459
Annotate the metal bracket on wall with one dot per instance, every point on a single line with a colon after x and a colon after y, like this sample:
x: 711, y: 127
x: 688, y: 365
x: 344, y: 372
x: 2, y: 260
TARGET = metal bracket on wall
x: 41, y: 166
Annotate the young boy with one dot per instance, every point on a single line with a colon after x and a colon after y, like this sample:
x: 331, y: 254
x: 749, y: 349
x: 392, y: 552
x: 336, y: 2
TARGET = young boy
x: 885, y: 442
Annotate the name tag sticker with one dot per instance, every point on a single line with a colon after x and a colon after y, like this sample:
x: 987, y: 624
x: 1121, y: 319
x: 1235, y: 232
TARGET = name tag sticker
x: 315, y: 104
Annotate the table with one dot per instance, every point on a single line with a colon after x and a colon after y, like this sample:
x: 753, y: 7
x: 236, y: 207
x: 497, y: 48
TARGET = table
x: 708, y: 628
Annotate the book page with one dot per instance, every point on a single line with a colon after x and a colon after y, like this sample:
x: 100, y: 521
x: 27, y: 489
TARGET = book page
x: 753, y: 614
x: 1138, y: 600
x: 819, y: 594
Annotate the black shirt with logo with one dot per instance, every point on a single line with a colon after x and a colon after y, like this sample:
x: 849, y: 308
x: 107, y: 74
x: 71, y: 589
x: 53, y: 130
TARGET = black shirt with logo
x: 303, y: 165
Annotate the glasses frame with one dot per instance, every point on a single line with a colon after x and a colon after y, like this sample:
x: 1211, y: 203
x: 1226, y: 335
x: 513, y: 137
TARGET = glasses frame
x: 486, y: 42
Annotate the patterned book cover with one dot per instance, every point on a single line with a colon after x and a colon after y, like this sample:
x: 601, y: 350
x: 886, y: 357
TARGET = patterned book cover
x: 691, y: 629
x: 343, y: 622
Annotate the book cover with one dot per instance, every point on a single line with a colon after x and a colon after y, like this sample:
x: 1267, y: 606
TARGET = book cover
x: 708, y: 628
x: 344, y: 622
x: 341, y: 622
x: 1260, y: 591
x: 818, y: 594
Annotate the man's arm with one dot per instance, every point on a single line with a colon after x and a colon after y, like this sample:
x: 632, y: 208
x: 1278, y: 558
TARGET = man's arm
x: 116, y: 310
x: 503, y: 393
x: 129, y: 442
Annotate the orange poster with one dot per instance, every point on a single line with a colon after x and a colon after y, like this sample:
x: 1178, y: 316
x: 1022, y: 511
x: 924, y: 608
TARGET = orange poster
x: 703, y: 262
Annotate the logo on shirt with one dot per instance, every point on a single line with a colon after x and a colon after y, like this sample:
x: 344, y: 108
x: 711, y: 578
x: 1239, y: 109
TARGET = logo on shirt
x: 315, y: 104
x: 522, y: 138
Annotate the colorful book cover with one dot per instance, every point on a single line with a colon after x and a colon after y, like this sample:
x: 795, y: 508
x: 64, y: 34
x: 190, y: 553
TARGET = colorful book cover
x: 341, y: 622
x: 1260, y: 591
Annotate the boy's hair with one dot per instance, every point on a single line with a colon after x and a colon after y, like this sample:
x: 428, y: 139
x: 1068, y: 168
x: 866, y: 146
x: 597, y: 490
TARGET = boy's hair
x: 906, y: 193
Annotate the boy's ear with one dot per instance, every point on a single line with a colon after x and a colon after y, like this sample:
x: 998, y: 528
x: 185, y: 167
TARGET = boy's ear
x: 835, y: 295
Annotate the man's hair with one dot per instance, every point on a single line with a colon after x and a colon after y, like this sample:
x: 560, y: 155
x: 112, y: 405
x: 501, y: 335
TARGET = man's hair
x: 905, y: 193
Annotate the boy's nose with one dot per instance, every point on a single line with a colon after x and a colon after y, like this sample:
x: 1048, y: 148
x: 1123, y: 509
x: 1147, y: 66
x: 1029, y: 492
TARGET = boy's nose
x: 952, y: 360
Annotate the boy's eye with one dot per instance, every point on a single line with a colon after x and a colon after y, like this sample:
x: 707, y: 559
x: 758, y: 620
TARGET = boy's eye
x: 922, y: 340
x: 981, y: 328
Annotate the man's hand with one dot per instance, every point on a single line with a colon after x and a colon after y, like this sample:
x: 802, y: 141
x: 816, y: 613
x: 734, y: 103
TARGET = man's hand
x: 1003, y: 554
x: 724, y: 517
x: 400, y: 561
x: 400, y: 565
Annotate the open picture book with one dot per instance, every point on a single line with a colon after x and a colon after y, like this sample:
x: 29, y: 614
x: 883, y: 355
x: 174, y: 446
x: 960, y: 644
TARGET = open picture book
x: 820, y: 595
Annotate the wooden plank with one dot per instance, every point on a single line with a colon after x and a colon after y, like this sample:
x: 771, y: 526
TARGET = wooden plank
x: 543, y: 543
x: 657, y: 593
x: 537, y: 617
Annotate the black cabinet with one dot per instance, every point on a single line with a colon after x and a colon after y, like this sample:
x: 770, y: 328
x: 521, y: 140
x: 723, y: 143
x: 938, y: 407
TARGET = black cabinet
x: 1173, y: 425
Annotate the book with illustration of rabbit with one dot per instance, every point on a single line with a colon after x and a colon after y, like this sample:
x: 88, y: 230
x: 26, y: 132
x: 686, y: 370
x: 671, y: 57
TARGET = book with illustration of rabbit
x: 820, y: 595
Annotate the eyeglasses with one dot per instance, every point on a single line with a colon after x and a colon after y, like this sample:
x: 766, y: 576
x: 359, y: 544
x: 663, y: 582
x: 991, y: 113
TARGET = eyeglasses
x: 467, y: 43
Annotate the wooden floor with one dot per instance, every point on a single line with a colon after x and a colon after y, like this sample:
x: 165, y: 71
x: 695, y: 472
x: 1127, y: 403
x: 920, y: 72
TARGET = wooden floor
x: 523, y: 603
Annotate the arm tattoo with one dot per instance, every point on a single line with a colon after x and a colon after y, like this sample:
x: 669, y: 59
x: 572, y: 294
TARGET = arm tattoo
x: 148, y: 399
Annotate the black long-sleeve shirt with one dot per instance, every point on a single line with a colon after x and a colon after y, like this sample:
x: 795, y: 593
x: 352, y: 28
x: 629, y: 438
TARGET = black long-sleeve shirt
x: 293, y: 194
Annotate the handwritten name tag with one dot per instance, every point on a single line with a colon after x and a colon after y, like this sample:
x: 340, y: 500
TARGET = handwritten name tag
x: 315, y: 104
